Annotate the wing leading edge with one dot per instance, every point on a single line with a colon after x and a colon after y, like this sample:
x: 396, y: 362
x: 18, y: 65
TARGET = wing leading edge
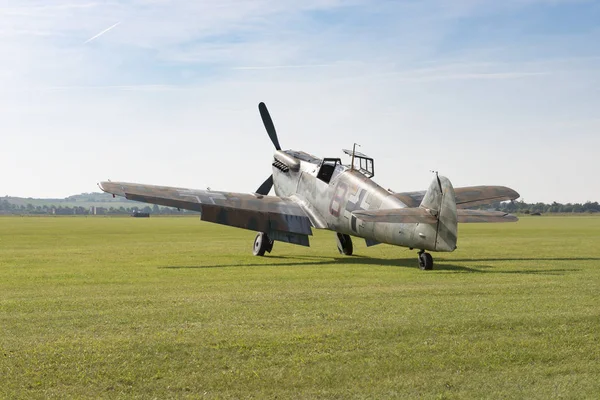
x: 281, y: 219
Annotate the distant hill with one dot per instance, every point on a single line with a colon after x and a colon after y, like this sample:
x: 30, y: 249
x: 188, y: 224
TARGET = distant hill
x: 79, y: 200
x: 81, y: 204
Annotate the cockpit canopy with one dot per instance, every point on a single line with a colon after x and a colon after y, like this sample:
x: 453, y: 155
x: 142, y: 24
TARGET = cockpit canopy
x: 362, y: 163
x: 301, y: 155
x: 328, y: 168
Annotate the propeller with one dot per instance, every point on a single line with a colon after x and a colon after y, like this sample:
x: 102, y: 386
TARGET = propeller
x: 266, y: 186
x: 268, y: 122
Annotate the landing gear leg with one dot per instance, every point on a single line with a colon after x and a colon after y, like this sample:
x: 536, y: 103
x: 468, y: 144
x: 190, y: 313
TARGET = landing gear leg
x: 425, y: 261
x: 262, y: 243
x: 344, y: 244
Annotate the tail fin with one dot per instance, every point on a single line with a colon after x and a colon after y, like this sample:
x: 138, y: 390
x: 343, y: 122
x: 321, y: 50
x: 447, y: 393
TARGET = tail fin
x: 440, y: 201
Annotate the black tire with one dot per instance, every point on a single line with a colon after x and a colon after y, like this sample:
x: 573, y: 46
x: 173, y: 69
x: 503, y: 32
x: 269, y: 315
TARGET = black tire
x: 262, y: 243
x: 425, y: 261
x: 270, y: 242
x: 344, y: 244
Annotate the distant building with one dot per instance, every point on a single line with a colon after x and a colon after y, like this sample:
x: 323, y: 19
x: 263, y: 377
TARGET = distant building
x: 98, y: 210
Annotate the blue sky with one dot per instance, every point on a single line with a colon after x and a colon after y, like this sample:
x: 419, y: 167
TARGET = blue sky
x: 486, y: 92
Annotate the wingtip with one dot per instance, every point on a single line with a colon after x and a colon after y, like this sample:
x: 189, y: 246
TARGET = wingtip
x: 512, y: 193
x: 114, y: 188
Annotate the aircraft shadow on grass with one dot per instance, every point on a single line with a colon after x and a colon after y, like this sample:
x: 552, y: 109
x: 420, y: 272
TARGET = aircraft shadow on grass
x: 441, y: 265
x: 529, y: 259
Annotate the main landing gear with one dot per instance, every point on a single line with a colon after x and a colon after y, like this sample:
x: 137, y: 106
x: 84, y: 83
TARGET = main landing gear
x: 344, y: 244
x: 425, y: 261
x: 262, y: 243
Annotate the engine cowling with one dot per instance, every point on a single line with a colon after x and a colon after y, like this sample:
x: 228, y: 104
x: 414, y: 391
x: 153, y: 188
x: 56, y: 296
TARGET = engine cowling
x: 283, y: 159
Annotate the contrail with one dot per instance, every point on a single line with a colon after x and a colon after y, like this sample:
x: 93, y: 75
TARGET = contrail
x: 101, y: 33
x: 285, y: 66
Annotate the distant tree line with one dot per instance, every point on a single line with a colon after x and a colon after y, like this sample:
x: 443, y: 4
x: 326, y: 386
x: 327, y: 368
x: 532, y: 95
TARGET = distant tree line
x: 521, y: 207
x: 515, y: 207
x: 7, y: 207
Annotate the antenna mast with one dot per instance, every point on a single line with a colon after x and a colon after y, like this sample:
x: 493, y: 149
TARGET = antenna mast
x: 353, y: 151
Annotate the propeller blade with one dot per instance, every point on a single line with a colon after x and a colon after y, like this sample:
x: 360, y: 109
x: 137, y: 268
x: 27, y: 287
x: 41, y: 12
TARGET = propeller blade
x: 268, y: 123
x: 266, y: 186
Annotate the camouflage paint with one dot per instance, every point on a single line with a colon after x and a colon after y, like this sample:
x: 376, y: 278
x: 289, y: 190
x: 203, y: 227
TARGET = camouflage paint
x: 333, y: 204
x: 350, y: 203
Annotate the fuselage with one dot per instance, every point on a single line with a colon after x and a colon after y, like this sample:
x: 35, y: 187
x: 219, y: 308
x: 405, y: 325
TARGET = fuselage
x: 330, y: 192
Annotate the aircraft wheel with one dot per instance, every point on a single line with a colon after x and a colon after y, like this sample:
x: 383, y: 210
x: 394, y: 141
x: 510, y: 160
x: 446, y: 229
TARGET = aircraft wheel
x: 425, y: 261
x: 344, y: 244
x: 262, y: 243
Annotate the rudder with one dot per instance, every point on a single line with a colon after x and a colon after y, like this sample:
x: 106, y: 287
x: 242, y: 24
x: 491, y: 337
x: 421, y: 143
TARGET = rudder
x: 440, y: 200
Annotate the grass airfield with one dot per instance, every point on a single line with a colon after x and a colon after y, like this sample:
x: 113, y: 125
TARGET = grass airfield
x: 174, y: 308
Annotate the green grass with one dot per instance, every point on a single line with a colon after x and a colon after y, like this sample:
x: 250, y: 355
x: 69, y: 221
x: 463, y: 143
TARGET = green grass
x: 175, y: 308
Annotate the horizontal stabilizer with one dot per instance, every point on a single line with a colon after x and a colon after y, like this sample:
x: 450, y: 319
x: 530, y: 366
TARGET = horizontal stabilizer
x: 422, y: 215
x: 397, y: 215
x: 470, y: 216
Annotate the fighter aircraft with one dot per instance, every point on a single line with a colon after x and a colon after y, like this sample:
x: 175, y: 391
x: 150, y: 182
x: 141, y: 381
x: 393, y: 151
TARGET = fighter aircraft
x: 311, y: 192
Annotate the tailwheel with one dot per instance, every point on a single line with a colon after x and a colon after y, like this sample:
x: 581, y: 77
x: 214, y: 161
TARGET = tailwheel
x: 262, y: 243
x: 344, y: 244
x: 425, y: 261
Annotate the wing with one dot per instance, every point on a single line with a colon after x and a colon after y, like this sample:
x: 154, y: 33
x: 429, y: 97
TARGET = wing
x: 281, y: 219
x: 466, y: 197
